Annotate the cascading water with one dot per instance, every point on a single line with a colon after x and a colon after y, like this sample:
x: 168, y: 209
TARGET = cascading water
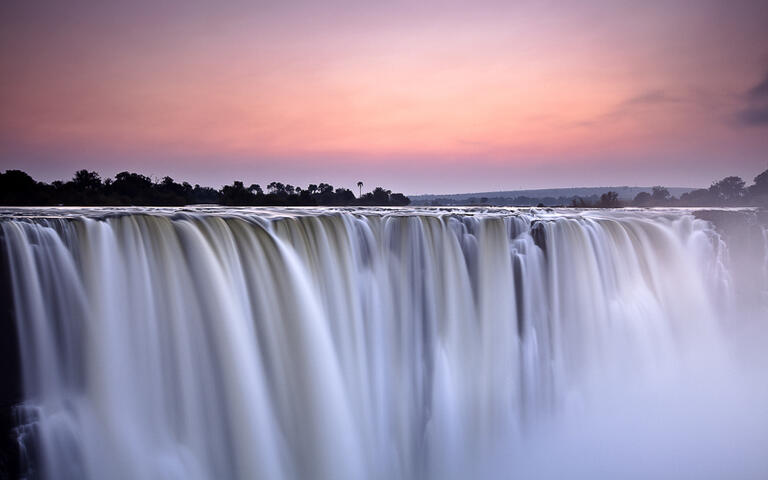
x: 218, y: 344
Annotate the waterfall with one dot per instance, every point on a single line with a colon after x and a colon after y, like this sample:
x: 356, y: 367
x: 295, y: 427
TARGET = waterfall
x: 378, y: 344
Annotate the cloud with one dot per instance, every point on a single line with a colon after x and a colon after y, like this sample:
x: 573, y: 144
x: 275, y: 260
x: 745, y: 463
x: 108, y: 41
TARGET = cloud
x: 754, y: 115
x: 760, y: 90
x: 756, y: 111
x: 651, y: 97
x: 643, y: 101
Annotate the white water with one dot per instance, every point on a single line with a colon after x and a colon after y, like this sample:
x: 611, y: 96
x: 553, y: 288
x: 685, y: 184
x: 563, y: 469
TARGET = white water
x: 386, y: 344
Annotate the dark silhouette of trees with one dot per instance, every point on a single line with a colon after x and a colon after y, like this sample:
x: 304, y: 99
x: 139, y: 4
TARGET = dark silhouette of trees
x: 127, y: 188
x: 18, y: 188
x: 87, y: 181
x: 758, y: 192
x: 642, y: 199
x: 131, y: 189
x: 323, y: 193
x: 205, y: 195
x: 609, y: 200
x: 580, y: 202
x: 701, y: 197
x: 660, y: 195
x: 168, y: 192
x: 344, y: 196
x: 380, y: 196
x: 237, y: 194
x: 729, y: 189
x: 399, y: 200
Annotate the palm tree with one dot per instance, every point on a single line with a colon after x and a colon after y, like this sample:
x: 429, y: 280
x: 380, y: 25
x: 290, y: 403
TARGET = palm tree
x: 360, y: 188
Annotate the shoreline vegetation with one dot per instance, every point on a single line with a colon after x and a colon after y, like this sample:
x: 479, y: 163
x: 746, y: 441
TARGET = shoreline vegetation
x: 86, y: 188
x: 17, y: 188
x: 729, y: 192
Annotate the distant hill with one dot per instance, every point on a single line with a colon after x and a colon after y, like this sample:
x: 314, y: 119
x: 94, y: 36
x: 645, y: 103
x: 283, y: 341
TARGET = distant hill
x: 547, y: 196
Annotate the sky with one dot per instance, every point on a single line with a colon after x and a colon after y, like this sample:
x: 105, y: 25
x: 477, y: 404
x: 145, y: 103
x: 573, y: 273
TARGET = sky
x: 419, y: 97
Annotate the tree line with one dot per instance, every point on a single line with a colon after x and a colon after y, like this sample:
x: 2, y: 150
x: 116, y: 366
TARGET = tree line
x: 731, y: 191
x: 518, y: 201
x: 126, y: 188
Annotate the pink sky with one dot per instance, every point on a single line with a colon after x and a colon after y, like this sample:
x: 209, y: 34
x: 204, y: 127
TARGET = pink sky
x: 430, y: 98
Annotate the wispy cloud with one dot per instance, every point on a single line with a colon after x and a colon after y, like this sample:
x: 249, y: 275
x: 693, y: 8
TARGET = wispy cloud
x: 631, y: 105
x: 650, y: 97
x: 761, y: 89
x: 756, y: 111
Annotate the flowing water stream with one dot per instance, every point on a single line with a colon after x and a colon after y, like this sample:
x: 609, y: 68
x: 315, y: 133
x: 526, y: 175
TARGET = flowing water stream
x: 209, y: 343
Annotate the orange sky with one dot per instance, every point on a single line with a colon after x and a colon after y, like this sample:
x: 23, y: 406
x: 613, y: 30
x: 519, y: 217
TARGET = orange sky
x: 439, y: 97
